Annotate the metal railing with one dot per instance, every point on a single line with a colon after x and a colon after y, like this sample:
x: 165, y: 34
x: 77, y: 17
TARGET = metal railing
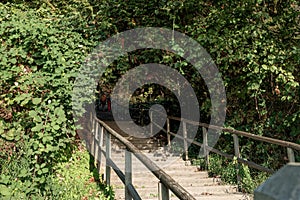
x: 101, y: 145
x: 102, y: 134
x: 235, y: 134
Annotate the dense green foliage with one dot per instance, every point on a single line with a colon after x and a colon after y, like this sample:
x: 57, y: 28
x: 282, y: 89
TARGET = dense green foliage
x: 72, y: 180
x: 40, y: 53
x: 227, y: 170
x: 255, y: 45
x: 77, y: 181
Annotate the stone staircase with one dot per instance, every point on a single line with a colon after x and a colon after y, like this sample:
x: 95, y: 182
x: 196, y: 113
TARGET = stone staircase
x: 196, y: 182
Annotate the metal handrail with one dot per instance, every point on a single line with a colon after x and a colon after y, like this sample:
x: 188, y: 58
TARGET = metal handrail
x: 289, y: 145
x: 241, y: 133
x: 235, y: 133
x: 166, y: 181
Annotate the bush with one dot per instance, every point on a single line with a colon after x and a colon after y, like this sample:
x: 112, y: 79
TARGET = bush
x: 227, y: 169
x: 73, y: 180
x: 39, y: 59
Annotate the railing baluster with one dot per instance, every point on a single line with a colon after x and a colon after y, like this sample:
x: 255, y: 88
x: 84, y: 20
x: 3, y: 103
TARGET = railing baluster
x: 142, y: 117
x: 185, y: 141
x: 237, y: 155
x: 128, y: 174
x: 168, y: 133
x: 151, y: 123
x: 163, y: 192
x: 205, y: 144
x: 108, y: 156
x: 291, y: 155
x: 100, y: 147
x: 92, y: 128
x: 96, y: 143
x: 101, y: 137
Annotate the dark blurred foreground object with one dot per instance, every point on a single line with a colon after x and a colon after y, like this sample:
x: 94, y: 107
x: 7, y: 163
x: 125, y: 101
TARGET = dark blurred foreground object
x: 283, y: 185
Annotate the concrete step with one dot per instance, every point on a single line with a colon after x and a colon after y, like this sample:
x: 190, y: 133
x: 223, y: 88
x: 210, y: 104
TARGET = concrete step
x: 171, y: 170
x: 186, y: 182
x: 208, y: 197
x: 153, y: 156
x: 174, y: 173
x: 139, y: 141
x: 202, y: 197
x: 168, y: 164
x: 198, y: 192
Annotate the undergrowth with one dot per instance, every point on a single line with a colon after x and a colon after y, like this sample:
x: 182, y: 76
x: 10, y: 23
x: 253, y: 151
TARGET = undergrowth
x: 72, y: 179
x: 75, y: 180
x: 227, y: 170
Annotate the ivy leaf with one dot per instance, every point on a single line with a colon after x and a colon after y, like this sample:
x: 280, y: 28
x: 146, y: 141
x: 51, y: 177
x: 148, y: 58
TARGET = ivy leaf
x: 56, y: 127
x: 25, y: 102
x: 4, y: 179
x: 4, y: 190
x: 36, y: 101
x: 265, y: 67
x: 45, y: 170
x: 37, y: 118
x: 21, y: 97
x: 37, y: 128
x: 32, y: 113
x: 23, y: 173
x: 9, y: 135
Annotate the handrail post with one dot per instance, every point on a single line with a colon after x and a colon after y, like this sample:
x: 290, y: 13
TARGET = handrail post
x: 108, y: 154
x: 96, y: 143
x: 92, y: 129
x: 142, y: 117
x: 100, y: 146
x: 163, y: 192
x: 168, y: 133
x: 151, y: 123
x: 205, y: 144
x: 237, y: 155
x: 101, y: 136
x: 128, y: 174
x: 185, y: 141
x: 291, y: 155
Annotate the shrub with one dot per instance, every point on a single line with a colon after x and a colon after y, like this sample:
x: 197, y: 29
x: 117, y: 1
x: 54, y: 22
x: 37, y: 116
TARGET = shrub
x: 39, y: 59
